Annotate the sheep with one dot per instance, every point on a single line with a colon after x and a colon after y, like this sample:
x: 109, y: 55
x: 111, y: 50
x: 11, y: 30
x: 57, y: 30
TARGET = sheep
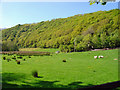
x: 14, y: 58
x: 64, y: 60
x: 18, y: 61
x: 19, y: 57
x: 4, y: 58
x: 57, y: 52
x: 100, y: 56
x: 95, y: 57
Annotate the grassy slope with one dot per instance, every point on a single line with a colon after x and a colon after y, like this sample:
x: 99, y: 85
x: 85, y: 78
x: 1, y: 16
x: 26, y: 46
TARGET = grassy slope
x: 80, y: 67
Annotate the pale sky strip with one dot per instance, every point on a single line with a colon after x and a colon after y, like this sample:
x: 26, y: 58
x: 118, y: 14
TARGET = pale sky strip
x: 51, y: 0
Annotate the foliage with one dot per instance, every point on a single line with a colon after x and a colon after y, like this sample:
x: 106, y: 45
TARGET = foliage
x: 9, y: 46
x: 103, y: 2
x: 92, y: 30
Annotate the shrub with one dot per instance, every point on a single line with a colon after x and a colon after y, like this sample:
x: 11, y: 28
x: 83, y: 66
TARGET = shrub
x: 64, y: 48
x: 9, y: 46
x: 35, y: 74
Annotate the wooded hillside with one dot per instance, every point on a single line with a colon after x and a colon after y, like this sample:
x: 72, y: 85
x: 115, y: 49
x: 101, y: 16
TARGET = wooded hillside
x: 93, y: 30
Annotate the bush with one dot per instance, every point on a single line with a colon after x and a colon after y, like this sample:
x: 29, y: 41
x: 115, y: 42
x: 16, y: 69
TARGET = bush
x: 9, y: 46
x: 66, y: 48
x: 35, y: 74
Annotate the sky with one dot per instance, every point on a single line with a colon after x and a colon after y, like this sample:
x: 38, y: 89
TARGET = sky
x: 13, y: 13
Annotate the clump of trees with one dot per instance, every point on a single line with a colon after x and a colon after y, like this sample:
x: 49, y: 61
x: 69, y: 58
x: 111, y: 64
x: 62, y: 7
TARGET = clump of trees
x: 9, y: 46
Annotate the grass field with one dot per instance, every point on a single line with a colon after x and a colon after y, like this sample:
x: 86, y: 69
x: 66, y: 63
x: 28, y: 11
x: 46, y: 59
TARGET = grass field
x: 80, y: 70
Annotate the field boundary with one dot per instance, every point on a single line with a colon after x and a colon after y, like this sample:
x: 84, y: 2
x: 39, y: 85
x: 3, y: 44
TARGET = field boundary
x: 25, y: 53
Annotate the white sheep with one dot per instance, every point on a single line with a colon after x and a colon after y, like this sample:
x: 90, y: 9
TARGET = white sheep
x: 95, y: 57
x: 57, y: 52
x: 100, y: 56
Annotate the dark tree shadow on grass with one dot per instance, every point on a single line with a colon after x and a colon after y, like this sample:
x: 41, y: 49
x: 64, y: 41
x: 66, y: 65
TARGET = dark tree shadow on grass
x: 43, y: 85
x: 7, y: 77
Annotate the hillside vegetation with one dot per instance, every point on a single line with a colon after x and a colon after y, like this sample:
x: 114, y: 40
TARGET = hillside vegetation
x: 91, y: 30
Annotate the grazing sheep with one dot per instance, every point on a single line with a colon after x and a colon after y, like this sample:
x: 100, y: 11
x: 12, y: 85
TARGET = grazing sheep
x: 100, y: 56
x: 35, y: 74
x: 18, y: 61
x: 19, y: 57
x: 95, y: 57
x: 64, y: 60
x: 57, y: 52
x: 4, y: 58
x: 14, y: 58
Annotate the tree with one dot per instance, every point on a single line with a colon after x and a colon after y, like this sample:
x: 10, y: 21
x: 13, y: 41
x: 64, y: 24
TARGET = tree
x: 96, y: 42
x: 103, y: 40
x: 103, y: 2
x: 114, y: 41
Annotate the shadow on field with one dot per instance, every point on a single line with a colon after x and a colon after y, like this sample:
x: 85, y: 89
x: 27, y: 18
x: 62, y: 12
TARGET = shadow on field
x: 43, y: 85
x: 7, y: 77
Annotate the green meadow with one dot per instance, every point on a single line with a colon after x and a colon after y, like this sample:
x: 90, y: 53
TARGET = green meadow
x: 80, y: 70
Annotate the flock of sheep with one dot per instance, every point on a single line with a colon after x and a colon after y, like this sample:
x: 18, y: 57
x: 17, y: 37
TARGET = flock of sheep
x: 64, y: 60
x: 95, y: 57
x: 20, y: 57
x: 15, y: 58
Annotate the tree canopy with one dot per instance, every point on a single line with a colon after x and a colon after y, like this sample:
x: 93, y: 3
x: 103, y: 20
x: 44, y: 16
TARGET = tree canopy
x: 103, y: 2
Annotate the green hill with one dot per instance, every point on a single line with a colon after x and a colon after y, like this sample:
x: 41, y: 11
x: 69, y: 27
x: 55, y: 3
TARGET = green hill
x: 91, y: 30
